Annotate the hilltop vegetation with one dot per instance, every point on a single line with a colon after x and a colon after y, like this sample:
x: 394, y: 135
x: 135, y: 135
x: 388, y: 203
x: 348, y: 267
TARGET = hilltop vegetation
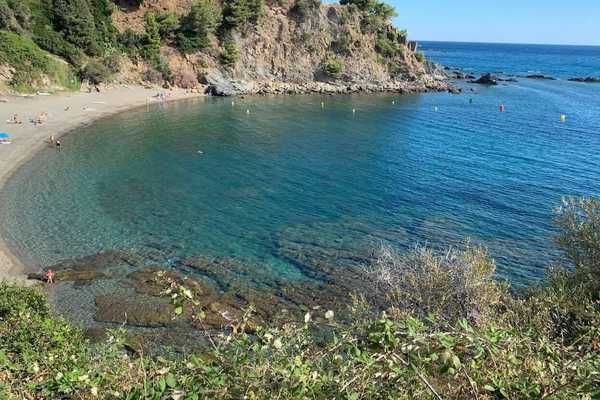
x: 448, y: 330
x: 176, y: 42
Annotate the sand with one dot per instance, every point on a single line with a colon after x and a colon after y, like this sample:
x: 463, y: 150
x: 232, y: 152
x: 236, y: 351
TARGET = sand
x: 27, y: 139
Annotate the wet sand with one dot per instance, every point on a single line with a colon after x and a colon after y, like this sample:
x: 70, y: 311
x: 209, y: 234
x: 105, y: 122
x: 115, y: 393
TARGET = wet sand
x: 65, y: 112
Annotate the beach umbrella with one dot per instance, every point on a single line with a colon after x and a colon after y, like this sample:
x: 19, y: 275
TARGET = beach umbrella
x: 4, y: 137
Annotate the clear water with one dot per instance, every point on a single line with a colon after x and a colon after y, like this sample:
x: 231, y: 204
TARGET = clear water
x: 432, y: 168
x: 561, y: 62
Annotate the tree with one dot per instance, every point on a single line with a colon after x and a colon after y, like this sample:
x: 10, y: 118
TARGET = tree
x: 203, y: 19
x: 169, y: 24
x: 151, y: 49
x: 241, y: 12
x: 230, y: 53
x: 75, y: 20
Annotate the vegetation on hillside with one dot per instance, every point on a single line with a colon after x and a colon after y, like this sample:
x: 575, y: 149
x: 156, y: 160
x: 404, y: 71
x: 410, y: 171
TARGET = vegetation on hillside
x: 82, y: 33
x: 448, y: 331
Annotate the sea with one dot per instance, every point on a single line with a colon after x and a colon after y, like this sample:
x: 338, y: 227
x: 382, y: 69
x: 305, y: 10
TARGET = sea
x: 272, y: 180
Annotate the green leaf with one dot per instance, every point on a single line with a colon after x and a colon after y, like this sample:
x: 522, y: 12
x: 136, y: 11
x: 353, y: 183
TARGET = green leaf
x: 178, y: 310
x: 353, y: 396
x: 162, y: 385
x: 489, y: 388
x: 171, y: 381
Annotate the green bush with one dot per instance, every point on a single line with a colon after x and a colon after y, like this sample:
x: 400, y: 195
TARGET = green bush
x: 75, y: 20
x: 342, y: 44
x: 371, y: 356
x: 7, y: 18
x: 420, y: 56
x: 299, y: 9
x: 203, y: 19
x: 452, y: 286
x: 230, y: 54
x: 241, y: 12
x: 96, y: 72
x: 31, y: 64
x: 131, y: 42
x: 151, y: 43
x: 332, y: 65
x: 163, y: 67
x: 169, y: 24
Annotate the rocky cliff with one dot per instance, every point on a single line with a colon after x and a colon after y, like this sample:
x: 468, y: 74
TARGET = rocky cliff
x: 287, y: 53
x: 223, y: 47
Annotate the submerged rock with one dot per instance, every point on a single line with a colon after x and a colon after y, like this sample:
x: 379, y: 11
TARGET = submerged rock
x: 140, y: 310
x: 79, y: 277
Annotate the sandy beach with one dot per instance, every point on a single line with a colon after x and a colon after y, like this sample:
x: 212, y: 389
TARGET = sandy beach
x: 65, y: 112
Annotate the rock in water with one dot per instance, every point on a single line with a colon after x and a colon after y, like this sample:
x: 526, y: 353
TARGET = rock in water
x: 540, y: 77
x: 486, y: 79
x: 589, y: 79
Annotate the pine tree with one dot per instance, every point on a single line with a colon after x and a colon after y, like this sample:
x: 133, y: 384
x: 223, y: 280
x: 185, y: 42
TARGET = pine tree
x: 151, y: 49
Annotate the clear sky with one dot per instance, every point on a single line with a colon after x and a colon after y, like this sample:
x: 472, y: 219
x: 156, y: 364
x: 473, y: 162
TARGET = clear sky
x: 511, y: 21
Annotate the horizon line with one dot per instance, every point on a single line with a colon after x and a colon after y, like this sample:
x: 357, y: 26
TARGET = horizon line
x: 508, y: 43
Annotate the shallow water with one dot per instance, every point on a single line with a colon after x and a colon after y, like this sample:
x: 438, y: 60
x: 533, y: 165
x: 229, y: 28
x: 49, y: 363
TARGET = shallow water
x: 293, y: 178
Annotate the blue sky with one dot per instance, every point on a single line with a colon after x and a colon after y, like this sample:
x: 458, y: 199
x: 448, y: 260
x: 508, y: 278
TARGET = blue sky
x: 512, y: 21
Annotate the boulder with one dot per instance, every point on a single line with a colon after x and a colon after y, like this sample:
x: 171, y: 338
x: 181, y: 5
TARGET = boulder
x: 486, y: 79
x: 218, y: 85
x: 589, y: 79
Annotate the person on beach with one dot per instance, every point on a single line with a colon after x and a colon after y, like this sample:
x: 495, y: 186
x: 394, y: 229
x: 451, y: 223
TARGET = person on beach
x: 49, y: 276
x: 41, y: 118
x: 57, y: 144
x: 16, y: 119
x: 51, y: 139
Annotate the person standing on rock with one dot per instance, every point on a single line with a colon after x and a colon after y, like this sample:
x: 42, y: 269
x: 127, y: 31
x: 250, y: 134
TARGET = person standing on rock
x: 49, y: 276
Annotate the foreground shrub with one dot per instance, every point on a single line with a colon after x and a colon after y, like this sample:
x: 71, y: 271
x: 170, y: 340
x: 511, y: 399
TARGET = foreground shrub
x: 318, y: 358
x: 453, y: 286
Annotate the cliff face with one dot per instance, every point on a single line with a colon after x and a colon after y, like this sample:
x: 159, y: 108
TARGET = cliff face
x: 283, y: 52
x: 220, y: 46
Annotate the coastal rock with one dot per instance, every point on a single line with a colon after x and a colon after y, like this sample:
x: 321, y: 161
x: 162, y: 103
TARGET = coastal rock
x: 540, y: 77
x: 147, y: 282
x: 79, y: 277
x: 589, y: 79
x: 143, y: 311
x: 486, y: 79
x: 220, y: 86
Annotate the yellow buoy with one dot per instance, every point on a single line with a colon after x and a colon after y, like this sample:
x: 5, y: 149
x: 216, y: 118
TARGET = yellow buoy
x: 563, y: 117
x: 353, y: 110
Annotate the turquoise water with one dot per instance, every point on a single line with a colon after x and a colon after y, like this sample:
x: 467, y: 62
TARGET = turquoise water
x: 292, y: 177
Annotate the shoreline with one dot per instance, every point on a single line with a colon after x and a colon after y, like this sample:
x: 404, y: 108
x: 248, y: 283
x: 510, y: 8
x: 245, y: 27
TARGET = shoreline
x: 66, y: 113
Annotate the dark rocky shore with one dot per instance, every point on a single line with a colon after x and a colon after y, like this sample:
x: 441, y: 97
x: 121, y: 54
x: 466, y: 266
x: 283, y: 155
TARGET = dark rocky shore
x: 122, y: 289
